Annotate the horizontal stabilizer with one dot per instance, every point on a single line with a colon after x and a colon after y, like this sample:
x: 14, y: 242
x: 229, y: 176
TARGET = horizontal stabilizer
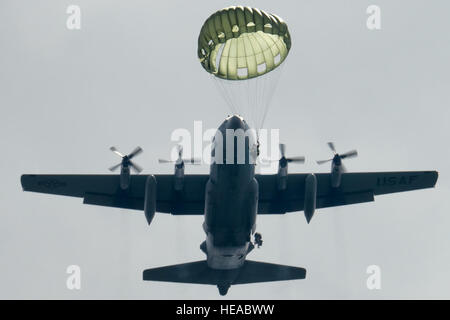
x: 254, y: 271
x: 192, y: 272
x: 198, y: 272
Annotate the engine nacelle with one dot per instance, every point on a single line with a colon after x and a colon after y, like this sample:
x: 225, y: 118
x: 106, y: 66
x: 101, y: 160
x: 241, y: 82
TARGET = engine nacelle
x: 310, y: 196
x: 125, y: 178
x: 282, y: 177
x: 336, y: 174
x: 150, y: 198
x: 178, y: 181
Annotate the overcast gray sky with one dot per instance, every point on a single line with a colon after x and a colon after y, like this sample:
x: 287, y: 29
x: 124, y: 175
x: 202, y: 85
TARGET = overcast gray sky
x: 130, y: 76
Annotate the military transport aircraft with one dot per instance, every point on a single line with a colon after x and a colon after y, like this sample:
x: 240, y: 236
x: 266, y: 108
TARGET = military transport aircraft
x: 230, y: 198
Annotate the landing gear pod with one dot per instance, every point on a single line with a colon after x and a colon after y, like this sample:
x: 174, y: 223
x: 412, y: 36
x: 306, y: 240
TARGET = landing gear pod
x: 150, y: 198
x: 310, y: 196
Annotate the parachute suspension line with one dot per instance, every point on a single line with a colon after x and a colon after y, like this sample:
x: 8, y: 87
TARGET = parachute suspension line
x: 251, y: 101
x: 275, y: 74
x: 253, y: 85
x: 266, y: 105
x: 259, y: 101
x: 264, y: 102
x: 224, y: 93
x: 223, y: 89
x: 250, y: 98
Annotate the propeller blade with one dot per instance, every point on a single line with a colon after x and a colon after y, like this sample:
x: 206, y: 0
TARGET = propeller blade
x: 349, y: 154
x: 180, y: 151
x: 282, y: 149
x: 270, y: 160
x: 114, y: 168
x: 267, y: 161
x: 331, y: 145
x: 194, y: 161
x: 135, y: 152
x: 136, y: 168
x: 114, y: 149
x: 323, y: 161
x: 296, y: 159
x: 165, y: 161
x: 126, y: 159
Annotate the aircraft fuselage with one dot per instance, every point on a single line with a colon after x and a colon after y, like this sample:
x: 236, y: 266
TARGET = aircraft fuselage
x: 231, y: 198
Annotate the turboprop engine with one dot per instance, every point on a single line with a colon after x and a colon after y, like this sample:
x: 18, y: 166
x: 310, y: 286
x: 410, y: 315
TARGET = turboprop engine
x: 125, y: 166
x: 337, y: 168
x: 179, y: 167
x: 283, y: 162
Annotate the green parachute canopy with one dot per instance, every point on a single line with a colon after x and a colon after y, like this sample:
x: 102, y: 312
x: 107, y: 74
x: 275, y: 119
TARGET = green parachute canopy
x: 239, y: 43
x: 243, y: 49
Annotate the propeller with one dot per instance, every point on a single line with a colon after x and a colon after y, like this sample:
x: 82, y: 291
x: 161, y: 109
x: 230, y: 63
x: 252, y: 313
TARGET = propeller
x: 337, y: 157
x: 283, y: 160
x: 180, y: 160
x: 126, y: 159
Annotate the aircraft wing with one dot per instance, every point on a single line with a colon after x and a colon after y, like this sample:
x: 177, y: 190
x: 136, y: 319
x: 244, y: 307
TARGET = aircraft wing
x: 104, y: 190
x: 355, y: 188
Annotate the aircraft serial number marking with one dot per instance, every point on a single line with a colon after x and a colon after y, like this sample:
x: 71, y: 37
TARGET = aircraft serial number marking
x: 51, y: 184
x: 392, y: 181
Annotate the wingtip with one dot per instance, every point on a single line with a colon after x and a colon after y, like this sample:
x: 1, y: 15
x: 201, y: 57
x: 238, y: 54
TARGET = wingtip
x: 23, y: 178
x: 436, y: 176
x: 26, y: 180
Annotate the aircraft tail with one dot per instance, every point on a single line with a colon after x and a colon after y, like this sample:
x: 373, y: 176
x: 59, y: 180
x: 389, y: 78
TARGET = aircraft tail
x: 198, y: 272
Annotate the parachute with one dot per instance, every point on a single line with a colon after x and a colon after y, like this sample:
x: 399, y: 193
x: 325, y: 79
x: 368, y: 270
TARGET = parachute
x: 243, y: 49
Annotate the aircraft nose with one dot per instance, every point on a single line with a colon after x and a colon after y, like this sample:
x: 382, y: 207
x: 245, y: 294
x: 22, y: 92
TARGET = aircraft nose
x: 235, y: 122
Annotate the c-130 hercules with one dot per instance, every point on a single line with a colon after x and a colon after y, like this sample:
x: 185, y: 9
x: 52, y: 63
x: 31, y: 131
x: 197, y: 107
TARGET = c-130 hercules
x: 230, y: 198
x: 240, y: 47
